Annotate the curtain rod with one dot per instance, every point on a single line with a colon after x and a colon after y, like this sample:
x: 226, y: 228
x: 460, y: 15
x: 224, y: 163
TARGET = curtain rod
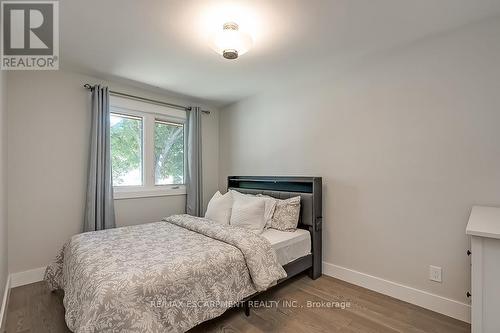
x: 143, y: 99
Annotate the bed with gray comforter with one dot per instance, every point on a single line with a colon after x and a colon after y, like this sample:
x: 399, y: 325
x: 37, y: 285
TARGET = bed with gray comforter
x: 166, y: 276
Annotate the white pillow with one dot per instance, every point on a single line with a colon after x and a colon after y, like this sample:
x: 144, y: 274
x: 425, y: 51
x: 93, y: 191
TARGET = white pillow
x: 270, y: 204
x: 248, y: 212
x: 270, y: 209
x: 219, y: 208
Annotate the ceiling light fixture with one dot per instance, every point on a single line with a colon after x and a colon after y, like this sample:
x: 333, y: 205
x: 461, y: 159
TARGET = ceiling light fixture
x: 230, y: 42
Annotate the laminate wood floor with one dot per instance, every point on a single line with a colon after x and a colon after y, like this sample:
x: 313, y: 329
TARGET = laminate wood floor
x: 295, y: 306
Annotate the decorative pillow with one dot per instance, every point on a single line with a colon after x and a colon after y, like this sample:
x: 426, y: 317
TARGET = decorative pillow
x: 219, y: 208
x: 248, y: 212
x: 286, y: 214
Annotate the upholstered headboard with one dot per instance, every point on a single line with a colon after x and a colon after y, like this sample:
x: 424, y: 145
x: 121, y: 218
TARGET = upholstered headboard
x: 310, y: 191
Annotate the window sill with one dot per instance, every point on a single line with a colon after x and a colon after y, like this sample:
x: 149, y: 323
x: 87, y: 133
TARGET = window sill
x: 136, y: 193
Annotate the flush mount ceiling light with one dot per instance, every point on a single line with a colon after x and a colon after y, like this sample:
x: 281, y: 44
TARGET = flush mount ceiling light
x: 230, y: 42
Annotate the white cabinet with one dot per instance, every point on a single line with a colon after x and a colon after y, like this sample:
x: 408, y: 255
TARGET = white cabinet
x: 484, y: 229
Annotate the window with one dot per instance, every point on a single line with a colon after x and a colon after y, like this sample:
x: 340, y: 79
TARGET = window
x: 147, y: 149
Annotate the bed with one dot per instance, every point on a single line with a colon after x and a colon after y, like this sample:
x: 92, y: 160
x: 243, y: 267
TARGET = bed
x: 170, y: 276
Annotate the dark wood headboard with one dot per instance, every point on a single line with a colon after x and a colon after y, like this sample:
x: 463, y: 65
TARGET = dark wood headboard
x: 310, y: 191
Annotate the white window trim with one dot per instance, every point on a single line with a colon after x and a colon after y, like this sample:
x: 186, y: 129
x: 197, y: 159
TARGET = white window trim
x: 149, y: 113
x: 134, y: 192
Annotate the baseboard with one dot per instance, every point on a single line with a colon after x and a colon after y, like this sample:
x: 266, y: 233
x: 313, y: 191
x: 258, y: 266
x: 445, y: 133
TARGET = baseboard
x: 424, y: 299
x: 5, y: 301
x: 27, y: 277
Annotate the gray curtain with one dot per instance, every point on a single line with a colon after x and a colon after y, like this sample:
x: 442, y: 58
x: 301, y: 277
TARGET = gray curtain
x: 99, y: 208
x: 194, y: 187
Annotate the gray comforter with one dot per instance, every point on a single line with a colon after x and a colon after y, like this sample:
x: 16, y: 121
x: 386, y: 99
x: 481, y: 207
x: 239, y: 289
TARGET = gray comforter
x: 167, y: 276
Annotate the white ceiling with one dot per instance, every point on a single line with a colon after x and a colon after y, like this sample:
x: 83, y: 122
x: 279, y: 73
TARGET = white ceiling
x: 163, y: 42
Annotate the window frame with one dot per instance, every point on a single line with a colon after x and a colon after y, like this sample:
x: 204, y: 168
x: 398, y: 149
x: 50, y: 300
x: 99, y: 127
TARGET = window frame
x: 149, y: 113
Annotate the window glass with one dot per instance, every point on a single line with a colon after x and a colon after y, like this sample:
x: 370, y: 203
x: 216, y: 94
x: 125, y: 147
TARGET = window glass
x: 169, y: 153
x: 126, y: 149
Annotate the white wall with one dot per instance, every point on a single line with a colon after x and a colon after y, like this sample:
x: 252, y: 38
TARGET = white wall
x: 406, y: 143
x: 3, y: 184
x: 49, y: 126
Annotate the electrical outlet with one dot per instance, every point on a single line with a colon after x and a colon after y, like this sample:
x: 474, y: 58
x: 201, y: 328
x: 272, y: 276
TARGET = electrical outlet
x: 435, y: 273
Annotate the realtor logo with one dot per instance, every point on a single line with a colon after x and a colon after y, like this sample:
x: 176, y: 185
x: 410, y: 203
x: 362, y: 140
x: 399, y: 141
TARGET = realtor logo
x: 30, y: 35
